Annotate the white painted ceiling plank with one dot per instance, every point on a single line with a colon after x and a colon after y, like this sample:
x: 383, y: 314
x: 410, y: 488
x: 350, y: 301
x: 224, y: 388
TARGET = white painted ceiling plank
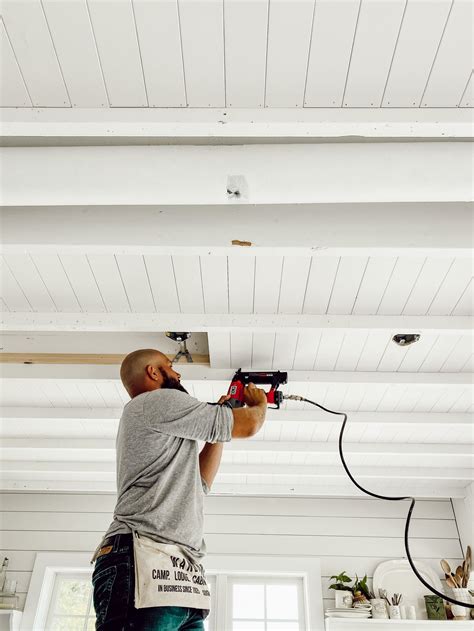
x: 328, y: 350
x: 467, y: 99
x: 202, y: 35
x: 109, y: 394
x: 55, y: 278
x: 189, y: 283
x: 418, y: 352
x: 420, y: 34
x: 372, y: 353
x: 241, y: 350
x: 351, y: 350
x: 398, y: 290
x: 215, y: 284
x: 160, y: 48
x: 439, y: 352
x: 452, y: 287
x: 245, y: 26
x: 30, y: 282
x: 374, y: 283
x: 74, y: 43
x: 320, y: 283
x: 427, y: 284
x: 349, y: 277
x: 459, y: 355
x: 11, y: 291
x: 294, y: 281
x: 284, y: 352
x: 29, y: 35
x: 241, y: 284
x: 163, y: 284
x: 454, y: 59
x: 13, y: 92
x: 107, y: 275
x: 465, y: 304
x: 263, y: 345
x: 268, y: 274
x: 115, y: 33
x: 331, y: 44
x: 373, y: 396
x: 135, y: 279
x: 372, y: 52
x: 289, y: 33
x: 306, y: 350
x: 393, y: 357
x: 429, y: 398
x: 219, y: 349
x: 463, y: 404
x: 79, y: 273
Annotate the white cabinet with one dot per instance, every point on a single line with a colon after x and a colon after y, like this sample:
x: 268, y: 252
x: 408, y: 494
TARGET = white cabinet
x: 10, y: 619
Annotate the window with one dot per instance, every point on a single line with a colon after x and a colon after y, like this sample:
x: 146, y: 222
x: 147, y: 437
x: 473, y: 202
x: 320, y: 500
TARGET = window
x: 266, y: 604
x: 71, y: 607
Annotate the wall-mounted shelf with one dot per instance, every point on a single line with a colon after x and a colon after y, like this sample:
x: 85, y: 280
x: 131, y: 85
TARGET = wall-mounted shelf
x: 347, y: 624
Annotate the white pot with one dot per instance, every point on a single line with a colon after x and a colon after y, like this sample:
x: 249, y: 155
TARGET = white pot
x: 462, y: 594
x: 379, y: 608
x: 343, y: 598
x: 394, y: 611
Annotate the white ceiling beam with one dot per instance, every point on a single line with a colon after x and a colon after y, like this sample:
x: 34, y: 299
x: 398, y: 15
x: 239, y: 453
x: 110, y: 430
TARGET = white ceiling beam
x: 207, y: 125
x: 73, y: 470
x: 203, y: 373
x: 375, y: 228
x: 438, y: 489
x: 274, y: 174
x: 314, y: 416
x: 302, y: 323
x: 94, y: 449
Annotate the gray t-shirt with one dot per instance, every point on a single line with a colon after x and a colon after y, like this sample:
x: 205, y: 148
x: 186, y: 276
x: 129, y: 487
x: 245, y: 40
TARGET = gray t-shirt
x: 160, y: 489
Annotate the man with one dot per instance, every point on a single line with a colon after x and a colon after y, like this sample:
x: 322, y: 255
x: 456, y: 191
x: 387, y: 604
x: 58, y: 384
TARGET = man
x: 161, y: 481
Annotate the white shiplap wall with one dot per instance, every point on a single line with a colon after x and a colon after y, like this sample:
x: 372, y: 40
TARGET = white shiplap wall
x: 345, y: 534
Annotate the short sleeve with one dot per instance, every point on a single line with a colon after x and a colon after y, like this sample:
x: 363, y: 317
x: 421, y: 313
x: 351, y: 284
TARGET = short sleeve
x: 176, y: 413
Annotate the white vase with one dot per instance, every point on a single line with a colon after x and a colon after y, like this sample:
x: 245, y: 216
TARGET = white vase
x: 462, y: 594
x: 343, y: 598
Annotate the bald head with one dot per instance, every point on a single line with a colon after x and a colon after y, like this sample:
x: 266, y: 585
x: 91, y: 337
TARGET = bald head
x: 140, y: 371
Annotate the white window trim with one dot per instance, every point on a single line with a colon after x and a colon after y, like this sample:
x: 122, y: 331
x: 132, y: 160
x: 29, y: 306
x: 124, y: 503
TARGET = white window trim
x: 47, y: 566
x: 301, y: 567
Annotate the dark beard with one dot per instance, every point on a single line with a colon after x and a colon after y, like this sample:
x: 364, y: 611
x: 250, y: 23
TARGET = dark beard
x: 170, y: 383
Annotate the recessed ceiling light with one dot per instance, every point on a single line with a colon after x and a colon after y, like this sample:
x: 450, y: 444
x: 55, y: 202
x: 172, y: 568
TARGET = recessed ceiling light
x: 404, y: 339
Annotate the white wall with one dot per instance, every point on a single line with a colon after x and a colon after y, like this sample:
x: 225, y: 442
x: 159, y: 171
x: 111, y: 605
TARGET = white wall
x: 346, y: 534
x: 464, y: 512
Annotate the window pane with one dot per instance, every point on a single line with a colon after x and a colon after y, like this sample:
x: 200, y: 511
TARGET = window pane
x: 73, y: 596
x: 282, y: 626
x: 247, y: 625
x: 67, y: 624
x: 282, y: 602
x: 248, y: 601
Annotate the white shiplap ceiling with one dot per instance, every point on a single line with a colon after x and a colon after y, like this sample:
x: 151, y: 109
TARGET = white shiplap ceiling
x: 237, y: 54
x: 338, y: 248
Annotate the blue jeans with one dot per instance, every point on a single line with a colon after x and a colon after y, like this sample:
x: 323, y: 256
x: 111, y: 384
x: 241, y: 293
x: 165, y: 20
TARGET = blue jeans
x: 113, y: 582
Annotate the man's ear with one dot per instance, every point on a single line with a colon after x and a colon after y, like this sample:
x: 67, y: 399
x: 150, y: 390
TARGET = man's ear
x: 152, y: 373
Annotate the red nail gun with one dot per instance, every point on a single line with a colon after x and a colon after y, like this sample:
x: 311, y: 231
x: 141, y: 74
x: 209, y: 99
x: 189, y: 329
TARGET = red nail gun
x: 241, y: 379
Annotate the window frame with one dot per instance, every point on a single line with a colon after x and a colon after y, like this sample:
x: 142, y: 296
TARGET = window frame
x: 260, y: 566
x: 46, y: 567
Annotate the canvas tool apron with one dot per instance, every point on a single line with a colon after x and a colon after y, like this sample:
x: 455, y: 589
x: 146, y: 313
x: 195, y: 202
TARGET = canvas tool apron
x: 166, y: 576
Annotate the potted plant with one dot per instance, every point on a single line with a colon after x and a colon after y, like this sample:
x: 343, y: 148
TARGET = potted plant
x: 343, y: 593
x: 361, y: 592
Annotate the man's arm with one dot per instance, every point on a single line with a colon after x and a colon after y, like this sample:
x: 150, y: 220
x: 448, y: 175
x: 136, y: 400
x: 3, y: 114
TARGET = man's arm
x: 209, y: 461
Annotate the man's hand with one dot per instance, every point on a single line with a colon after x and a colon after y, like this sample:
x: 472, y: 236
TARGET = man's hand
x: 223, y: 399
x: 254, y: 396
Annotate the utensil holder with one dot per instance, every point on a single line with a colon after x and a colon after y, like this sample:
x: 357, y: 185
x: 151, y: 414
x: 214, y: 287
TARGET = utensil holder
x: 462, y: 594
x: 394, y: 611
